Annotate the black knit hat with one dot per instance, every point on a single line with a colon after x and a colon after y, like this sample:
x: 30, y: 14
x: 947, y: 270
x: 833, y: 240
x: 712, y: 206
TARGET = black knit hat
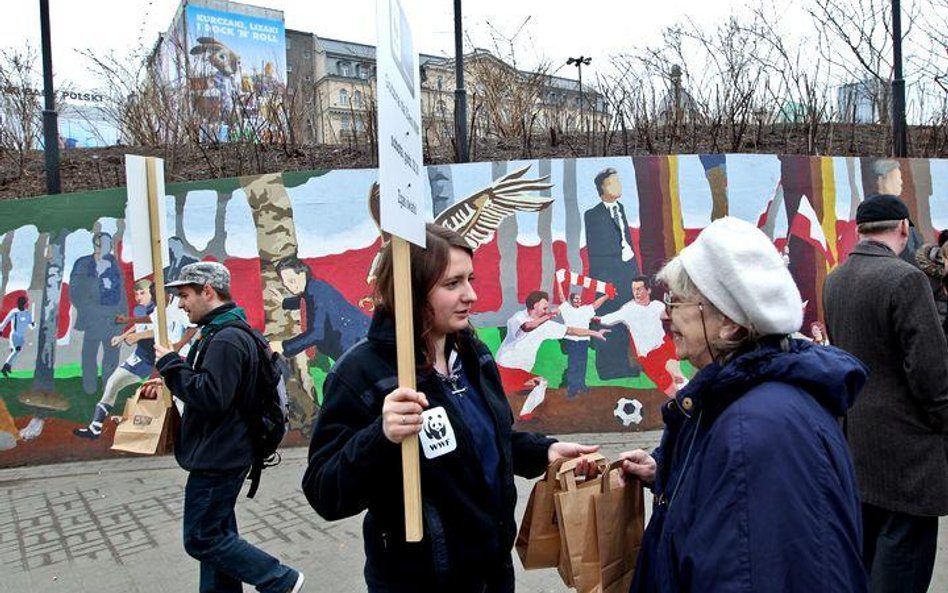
x: 882, y: 208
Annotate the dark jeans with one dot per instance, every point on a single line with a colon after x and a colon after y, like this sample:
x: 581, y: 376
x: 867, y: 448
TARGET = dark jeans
x: 576, y: 361
x: 210, y: 537
x: 898, y: 550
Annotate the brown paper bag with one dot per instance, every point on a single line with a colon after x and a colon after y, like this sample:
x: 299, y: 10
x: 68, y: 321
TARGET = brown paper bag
x: 613, y: 535
x: 538, y: 541
x: 573, y: 511
x: 169, y: 430
x: 141, y: 432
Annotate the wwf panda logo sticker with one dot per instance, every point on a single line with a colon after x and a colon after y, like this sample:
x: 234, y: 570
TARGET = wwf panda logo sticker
x: 437, y: 434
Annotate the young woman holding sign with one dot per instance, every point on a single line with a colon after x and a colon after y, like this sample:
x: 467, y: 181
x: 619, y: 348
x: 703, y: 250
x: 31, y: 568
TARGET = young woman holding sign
x: 469, y: 452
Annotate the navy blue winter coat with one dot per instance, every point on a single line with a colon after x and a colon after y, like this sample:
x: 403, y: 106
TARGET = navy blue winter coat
x: 755, y: 489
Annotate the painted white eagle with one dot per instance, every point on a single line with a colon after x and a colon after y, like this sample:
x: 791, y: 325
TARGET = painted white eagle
x: 477, y: 217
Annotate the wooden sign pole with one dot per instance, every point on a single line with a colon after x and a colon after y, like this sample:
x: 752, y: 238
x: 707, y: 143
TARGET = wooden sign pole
x: 160, y: 332
x: 405, y: 341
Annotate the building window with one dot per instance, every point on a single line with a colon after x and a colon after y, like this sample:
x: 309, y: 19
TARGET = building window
x: 344, y: 123
x: 440, y: 82
x: 289, y: 42
x: 344, y: 69
x: 357, y: 99
x: 363, y: 72
x: 307, y: 54
x: 343, y: 97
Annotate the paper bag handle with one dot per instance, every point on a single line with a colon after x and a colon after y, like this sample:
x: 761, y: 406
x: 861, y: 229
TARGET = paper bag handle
x: 606, y: 475
x: 567, y: 473
x: 553, y: 469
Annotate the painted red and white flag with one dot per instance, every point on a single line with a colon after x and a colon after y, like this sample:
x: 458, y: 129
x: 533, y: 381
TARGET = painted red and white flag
x: 806, y: 225
x: 767, y: 221
x: 585, y: 281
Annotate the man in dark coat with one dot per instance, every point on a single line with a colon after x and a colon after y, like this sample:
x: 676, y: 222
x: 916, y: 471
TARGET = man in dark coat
x: 881, y: 309
x: 611, y: 259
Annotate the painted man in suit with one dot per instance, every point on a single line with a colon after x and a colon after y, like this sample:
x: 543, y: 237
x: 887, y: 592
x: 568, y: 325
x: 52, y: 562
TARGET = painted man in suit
x: 97, y: 293
x: 881, y: 309
x: 888, y: 180
x: 611, y: 259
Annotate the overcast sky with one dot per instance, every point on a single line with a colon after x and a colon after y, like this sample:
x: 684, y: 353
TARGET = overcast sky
x: 549, y: 30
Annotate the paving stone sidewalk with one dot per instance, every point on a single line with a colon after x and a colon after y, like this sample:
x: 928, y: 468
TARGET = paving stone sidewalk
x: 115, y: 526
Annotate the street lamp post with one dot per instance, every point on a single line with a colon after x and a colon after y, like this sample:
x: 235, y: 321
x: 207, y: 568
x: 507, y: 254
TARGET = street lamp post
x: 899, y: 135
x: 579, y: 63
x: 50, y: 125
x: 460, y: 94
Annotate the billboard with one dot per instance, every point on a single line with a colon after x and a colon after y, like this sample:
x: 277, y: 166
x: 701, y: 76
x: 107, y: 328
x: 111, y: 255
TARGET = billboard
x: 236, y: 68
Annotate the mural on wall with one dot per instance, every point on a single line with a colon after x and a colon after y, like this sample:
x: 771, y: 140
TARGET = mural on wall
x: 578, y: 238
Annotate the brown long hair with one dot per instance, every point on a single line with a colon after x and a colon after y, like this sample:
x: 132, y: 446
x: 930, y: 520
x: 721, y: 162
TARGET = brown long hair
x: 427, y: 267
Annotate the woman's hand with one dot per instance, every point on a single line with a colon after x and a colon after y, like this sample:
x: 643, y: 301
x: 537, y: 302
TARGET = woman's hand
x: 401, y: 413
x: 639, y: 464
x: 571, y: 450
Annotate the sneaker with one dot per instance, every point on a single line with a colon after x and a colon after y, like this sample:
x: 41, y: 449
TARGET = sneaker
x: 6, y: 370
x: 86, y: 433
x: 299, y: 583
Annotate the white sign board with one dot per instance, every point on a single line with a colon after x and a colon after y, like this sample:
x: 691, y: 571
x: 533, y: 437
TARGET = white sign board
x: 138, y: 228
x: 399, y: 107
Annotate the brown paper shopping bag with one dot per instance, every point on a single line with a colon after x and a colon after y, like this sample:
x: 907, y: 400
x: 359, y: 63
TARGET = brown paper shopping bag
x: 141, y: 432
x: 613, y: 535
x: 538, y: 541
x: 573, y: 507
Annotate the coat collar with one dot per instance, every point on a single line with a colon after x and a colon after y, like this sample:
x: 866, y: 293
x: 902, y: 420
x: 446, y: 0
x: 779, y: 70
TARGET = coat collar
x: 872, y: 248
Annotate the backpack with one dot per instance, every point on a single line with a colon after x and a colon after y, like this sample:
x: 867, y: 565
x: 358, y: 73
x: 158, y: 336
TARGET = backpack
x: 266, y: 415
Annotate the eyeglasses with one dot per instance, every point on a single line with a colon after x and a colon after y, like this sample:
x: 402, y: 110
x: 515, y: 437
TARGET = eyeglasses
x: 671, y: 303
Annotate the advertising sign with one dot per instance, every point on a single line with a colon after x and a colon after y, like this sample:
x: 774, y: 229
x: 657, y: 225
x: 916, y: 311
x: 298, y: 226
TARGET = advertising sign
x: 235, y: 62
x: 400, y: 152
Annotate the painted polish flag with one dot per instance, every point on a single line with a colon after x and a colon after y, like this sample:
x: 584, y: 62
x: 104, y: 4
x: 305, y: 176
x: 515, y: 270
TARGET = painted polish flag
x: 764, y: 216
x: 767, y: 221
x: 807, y: 226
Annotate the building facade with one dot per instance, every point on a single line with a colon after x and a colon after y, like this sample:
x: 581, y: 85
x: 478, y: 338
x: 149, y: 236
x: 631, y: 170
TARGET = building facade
x: 223, y: 56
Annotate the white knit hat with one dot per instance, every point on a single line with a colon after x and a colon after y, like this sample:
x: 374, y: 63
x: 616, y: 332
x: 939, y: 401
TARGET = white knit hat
x: 738, y: 269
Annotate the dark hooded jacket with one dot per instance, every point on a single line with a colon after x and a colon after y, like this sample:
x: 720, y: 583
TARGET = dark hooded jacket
x: 216, y: 384
x: 755, y: 490
x: 468, y: 531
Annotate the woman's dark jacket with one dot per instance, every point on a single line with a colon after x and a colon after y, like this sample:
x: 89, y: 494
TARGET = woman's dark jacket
x: 353, y: 467
x: 755, y: 489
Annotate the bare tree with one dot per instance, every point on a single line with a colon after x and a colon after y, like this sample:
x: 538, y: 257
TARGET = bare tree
x: 20, y: 106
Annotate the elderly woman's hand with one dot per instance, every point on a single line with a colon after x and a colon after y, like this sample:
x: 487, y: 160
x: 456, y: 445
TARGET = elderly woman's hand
x: 639, y: 464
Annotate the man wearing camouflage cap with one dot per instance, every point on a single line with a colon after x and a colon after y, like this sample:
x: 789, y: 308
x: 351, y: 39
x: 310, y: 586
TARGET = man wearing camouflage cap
x: 217, y: 382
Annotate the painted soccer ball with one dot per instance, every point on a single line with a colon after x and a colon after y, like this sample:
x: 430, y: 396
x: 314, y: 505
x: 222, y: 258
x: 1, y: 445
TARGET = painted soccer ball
x: 628, y: 411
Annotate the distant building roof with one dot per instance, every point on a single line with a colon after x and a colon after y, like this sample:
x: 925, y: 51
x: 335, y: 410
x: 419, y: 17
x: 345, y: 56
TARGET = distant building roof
x: 360, y: 50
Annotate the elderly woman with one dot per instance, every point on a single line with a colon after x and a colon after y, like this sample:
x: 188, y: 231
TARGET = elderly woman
x: 754, y: 488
